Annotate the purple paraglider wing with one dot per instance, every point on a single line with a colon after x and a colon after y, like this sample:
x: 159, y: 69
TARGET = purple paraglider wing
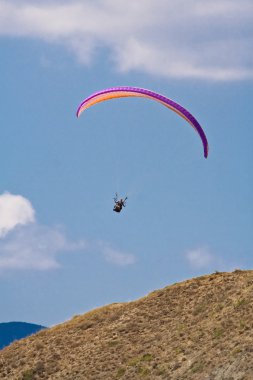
x: 121, y: 92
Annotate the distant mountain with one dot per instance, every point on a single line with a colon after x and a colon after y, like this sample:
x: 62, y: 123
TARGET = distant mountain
x: 11, y: 331
x: 200, y: 329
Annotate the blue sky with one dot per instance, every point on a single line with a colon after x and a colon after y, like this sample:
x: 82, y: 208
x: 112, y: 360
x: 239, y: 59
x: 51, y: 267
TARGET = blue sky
x: 62, y: 249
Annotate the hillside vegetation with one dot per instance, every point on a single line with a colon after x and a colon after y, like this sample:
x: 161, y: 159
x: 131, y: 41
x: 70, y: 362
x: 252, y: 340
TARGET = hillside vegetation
x: 199, y: 329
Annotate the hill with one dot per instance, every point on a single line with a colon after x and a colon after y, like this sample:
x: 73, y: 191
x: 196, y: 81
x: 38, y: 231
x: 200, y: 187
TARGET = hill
x: 199, y: 329
x: 11, y: 331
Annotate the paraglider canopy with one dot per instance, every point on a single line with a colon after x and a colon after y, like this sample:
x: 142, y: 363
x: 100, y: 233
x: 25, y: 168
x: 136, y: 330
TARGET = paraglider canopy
x: 121, y: 92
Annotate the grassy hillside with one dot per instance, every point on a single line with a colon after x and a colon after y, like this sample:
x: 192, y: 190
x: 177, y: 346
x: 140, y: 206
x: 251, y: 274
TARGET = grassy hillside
x: 199, y: 329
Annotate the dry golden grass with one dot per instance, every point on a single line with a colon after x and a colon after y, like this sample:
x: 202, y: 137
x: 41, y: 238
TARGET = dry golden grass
x: 199, y: 329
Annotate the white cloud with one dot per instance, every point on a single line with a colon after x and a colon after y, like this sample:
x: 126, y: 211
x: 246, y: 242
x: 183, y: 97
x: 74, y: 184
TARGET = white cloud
x: 116, y: 256
x: 26, y: 244
x: 35, y: 247
x: 200, y: 258
x: 14, y: 210
x: 173, y: 39
x: 203, y: 258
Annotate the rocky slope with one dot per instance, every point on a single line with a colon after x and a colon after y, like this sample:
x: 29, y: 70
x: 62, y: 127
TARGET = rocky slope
x: 199, y: 329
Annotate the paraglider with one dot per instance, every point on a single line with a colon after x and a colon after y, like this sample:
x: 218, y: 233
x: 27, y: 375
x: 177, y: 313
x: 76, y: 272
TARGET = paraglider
x: 121, y: 92
x: 119, y: 203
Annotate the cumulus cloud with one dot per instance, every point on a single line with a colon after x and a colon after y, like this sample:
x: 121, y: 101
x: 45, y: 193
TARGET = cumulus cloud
x: 35, y: 247
x: 14, y: 210
x: 200, y: 258
x: 26, y: 244
x: 116, y: 256
x: 175, y: 39
x: 204, y: 258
